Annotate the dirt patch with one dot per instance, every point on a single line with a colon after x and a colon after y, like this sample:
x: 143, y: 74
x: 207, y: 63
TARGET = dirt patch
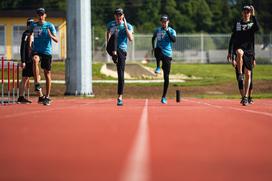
x: 139, y: 91
x: 134, y: 71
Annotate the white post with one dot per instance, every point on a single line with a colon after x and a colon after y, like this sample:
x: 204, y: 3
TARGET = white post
x: 202, y: 47
x: 133, y: 51
x: 270, y: 46
x: 79, y: 49
x: 107, y: 55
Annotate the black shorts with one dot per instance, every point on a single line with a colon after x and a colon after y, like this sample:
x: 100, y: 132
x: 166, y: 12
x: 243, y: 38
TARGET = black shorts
x: 160, y: 56
x: 28, y: 70
x: 248, y: 59
x: 46, y: 60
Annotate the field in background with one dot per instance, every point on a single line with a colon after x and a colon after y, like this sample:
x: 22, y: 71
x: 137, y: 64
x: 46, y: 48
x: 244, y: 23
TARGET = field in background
x: 215, y: 80
x: 212, y: 81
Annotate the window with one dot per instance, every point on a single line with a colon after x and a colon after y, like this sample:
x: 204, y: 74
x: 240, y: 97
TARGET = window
x: 2, y: 40
x: 16, y: 41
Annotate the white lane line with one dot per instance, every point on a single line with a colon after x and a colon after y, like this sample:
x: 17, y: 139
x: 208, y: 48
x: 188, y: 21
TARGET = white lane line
x: 207, y: 104
x: 252, y: 111
x: 137, y: 165
x: 227, y: 107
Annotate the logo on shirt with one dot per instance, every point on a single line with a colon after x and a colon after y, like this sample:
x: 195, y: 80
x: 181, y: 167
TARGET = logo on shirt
x: 160, y: 35
x: 243, y: 27
x: 37, y: 31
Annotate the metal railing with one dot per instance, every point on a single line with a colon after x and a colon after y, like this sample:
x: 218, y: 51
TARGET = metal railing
x: 192, y: 48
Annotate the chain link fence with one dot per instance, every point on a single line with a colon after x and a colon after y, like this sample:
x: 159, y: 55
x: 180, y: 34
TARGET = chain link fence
x: 189, y: 48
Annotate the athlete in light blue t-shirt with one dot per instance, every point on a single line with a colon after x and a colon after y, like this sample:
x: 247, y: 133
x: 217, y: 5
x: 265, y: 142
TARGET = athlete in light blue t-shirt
x: 42, y: 39
x: 118, y: 34
x: 44, y: 32
x: 165, y: 36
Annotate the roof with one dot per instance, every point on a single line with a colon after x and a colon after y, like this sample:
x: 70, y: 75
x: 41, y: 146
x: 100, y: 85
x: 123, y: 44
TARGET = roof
x: 31, y: 13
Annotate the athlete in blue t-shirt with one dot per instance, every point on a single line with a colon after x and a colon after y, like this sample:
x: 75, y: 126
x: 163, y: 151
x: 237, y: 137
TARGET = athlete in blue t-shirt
x: 118, y: 34
x: 165, y: 36
x: 44, y: 32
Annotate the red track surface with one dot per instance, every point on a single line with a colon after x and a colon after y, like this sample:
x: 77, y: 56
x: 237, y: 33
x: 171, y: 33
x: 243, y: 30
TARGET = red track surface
x: 195, y: 140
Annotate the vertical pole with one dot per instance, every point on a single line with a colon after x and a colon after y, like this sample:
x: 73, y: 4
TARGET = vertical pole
x: 93, y: 41
x: 107, y: 55
x: 18, y: 83
x: 28, y: 85
x: 202, y: 47
x: 133, y: 51
x: 13, y: 82
x: 2, y: 81
x: 8, y: 82
x: 270, y: 46
x: 79, y: 50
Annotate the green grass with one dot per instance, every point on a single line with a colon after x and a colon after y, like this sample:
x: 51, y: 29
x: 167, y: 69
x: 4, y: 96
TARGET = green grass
x: 209, y: 74
x: 214, y: 74
x: 59, y: 68
x: 219, y: 77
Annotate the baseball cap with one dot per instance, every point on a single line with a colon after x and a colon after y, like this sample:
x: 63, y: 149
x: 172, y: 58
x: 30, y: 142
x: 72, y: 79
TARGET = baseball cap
x: 29, y: 21
x: 246, y: 8
x: 118, y: 11
x: 164, y: 17
x: 40, y: 11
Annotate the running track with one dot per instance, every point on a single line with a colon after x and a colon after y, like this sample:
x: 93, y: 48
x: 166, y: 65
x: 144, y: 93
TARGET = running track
x: 94, y: 140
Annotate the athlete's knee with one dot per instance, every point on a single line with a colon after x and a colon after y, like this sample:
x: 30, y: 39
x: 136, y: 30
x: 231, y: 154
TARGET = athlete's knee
x: 36, y: 59
x: 239, y: 52
x: 247, y: 73
x: 25, y: 79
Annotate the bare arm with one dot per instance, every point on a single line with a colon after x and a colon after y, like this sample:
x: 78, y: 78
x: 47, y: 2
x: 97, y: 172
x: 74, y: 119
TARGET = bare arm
x: 129, y: 33
x: 54, y: 38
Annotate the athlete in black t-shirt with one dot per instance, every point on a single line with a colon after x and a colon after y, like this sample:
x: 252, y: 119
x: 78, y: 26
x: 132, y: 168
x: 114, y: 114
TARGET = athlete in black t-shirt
x: 241, y: 46
x: 26, y: 62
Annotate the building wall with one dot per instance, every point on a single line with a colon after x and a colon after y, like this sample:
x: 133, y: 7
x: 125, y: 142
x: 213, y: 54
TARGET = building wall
x: 9, y: 23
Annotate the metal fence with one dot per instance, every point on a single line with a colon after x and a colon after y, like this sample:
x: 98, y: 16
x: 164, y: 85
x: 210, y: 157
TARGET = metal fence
x: 190, y: 48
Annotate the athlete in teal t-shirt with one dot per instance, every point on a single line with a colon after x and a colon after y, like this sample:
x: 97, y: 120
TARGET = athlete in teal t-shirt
x: 165, y: 36
x: 42, y: 39
x: 44, y: 32
x: 122, y: 32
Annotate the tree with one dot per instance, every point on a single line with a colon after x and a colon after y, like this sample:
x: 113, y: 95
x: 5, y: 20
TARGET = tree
x: 148, y: 16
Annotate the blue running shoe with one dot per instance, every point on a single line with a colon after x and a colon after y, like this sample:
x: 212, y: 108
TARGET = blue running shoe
x: 119, y: 102
x: 164, y: 100
x: 158, y: 70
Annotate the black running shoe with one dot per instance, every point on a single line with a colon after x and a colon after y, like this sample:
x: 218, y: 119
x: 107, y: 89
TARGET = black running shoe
x: 250, y: 100
x: 38, y: 87
x: 47, y: 101
x: 245, y: 101
x: 41, y: 99
x: 241, y: 102
x: 23, y: 100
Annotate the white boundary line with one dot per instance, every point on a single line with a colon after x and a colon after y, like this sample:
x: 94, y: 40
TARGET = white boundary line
x: 226, y: 107
x: 252, y: 111
x: 207, y: 104
x: 137, y: 165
